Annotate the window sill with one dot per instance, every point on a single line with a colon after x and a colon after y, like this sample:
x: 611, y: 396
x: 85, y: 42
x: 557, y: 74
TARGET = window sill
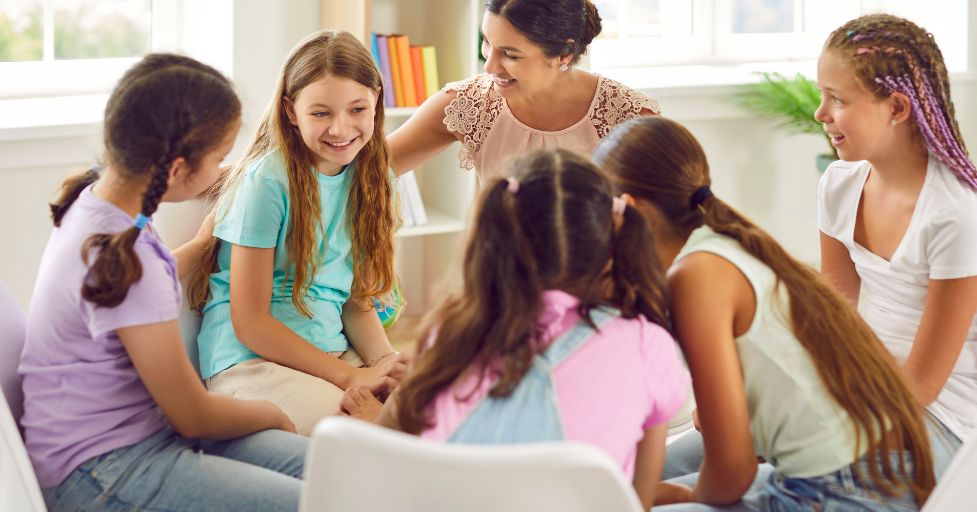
x: 51, y: 117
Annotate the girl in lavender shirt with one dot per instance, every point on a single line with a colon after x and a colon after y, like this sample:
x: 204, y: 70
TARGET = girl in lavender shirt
x: 115, y: 416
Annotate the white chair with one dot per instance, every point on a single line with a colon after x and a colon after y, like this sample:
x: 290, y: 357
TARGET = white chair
x: 354, y: 465
x: 957, y: 489
x: 18, y: 485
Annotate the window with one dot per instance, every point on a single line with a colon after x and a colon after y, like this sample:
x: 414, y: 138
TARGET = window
x: 52, y: 47
x: 675, y: 32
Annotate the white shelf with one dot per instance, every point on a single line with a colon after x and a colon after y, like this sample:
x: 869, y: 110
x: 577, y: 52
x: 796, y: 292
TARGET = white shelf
x: 437, y: 224
x: 399, y: 112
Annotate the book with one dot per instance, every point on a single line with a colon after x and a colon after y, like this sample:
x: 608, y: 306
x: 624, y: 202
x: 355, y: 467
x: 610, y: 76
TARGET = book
x: 383, y: 61
x: 412, y: 206
x: 418, y: 66
x: 406, y: 69
x: 431, y: 82
x: 395, y: 71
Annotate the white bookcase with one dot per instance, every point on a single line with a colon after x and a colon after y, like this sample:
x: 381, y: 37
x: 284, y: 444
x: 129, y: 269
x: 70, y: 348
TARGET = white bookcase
x: 428, y: 254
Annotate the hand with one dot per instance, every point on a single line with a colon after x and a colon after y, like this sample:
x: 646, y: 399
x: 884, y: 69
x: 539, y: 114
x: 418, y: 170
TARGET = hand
x: 667, y: 493
x: 376, y: 379
x: 360, y: 403
x: 206, y: 231
x: 279, y: 420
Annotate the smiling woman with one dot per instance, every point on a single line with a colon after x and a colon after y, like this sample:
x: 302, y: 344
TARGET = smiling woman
x: 531, y: 95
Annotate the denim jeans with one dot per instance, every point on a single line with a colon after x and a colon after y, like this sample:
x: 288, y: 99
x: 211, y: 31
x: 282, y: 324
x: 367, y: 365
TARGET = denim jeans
x: 839, y: 491
x: 169, y: 473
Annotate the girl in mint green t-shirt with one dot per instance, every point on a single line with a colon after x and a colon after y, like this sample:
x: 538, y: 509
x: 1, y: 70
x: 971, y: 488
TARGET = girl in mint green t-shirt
x: 305, y: 229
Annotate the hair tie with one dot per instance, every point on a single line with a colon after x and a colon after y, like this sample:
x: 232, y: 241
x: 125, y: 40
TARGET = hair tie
x: 140, y: 221
x: 699, y: 196
x: 618, y: 205
x: 513, y: 186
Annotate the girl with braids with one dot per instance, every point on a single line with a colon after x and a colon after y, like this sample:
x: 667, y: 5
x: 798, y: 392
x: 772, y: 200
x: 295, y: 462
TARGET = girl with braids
x: 559, y: 328
x: 781, y: 366
x: 898, y: 217
x: 304, y: 240
x: 109, y: 390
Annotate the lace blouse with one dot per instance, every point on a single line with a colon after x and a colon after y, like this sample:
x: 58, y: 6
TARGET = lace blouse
x: 491, y: 135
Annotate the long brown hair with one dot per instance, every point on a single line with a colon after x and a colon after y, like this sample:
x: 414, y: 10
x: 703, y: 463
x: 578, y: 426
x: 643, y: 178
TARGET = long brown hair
x: 555, y: 232
x: 660, y: 161
x: 890, y: 54
x: 370, y: 209
x: 163, y: 108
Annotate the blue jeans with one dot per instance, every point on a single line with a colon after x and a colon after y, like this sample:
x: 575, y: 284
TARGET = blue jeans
x: 839, y: 491
x: 684, y: 455
x: 168, y: 473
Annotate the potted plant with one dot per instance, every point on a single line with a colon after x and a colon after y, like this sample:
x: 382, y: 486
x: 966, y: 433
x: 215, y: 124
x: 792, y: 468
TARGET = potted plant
x: 791, y: 102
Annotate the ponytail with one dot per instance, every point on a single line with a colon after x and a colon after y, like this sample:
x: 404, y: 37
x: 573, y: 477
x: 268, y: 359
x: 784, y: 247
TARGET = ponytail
x: 635, y: 267
x: 70, y: 190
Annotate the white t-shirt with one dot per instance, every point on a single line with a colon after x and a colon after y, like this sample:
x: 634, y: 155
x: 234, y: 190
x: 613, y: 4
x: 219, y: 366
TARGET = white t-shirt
x: 940, y: 243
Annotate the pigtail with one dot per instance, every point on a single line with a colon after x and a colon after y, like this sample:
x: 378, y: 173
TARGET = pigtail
x: 494, y: 316
x: 639, y: 283
x: 116, y: 266
x: 70, y: 190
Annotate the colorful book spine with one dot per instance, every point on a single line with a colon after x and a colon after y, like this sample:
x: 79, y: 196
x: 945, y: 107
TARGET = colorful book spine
x: 383, y: 60
x: 417, y: 63
x: 395, y: 71
x: 431, y: 82
x: 406, y: 70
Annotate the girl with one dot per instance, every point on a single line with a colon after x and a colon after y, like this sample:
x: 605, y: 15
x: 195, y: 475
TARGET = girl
x: 898, y: 217
x: 559, y: 327
x: 305, y: 229
x: 109, y: 390
x: 774, y: 353
x: 531, y: 95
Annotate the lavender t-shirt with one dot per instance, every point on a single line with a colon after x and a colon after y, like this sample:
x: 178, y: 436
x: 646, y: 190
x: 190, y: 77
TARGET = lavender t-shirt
x: 82, y: 396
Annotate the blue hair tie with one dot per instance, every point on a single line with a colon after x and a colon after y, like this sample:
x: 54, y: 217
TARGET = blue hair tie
x: 851, y: 33
x: 140, y: 221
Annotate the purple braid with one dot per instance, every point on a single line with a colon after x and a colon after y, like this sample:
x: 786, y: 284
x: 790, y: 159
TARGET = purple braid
x: 942, y: 142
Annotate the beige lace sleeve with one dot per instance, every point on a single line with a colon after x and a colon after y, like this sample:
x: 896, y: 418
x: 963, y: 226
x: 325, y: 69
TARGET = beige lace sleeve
x: 471, y: 114
x: 616, y: 103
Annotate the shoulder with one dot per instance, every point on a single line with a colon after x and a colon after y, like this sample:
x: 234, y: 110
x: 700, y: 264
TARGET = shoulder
x: 842, y: 174
x: 269, y: 166
x: 477, y: 85
x: 615, y: 103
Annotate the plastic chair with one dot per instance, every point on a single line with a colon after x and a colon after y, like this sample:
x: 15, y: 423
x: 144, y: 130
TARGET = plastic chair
x: 354, y: 465
x: 18, y: 485
x: 956, y: 490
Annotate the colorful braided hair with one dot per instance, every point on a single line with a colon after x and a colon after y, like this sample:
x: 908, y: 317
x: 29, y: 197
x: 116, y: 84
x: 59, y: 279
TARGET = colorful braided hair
x: 890, y: 54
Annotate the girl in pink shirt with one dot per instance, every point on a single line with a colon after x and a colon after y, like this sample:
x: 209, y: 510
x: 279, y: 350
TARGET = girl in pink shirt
x: 558, y: 333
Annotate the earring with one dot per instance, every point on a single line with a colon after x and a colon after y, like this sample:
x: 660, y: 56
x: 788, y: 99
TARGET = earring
x: 893, y: 122
x: 564, y: 67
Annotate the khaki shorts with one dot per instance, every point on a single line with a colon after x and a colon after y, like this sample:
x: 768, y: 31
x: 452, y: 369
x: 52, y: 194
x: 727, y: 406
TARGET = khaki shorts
x: 304, y: 398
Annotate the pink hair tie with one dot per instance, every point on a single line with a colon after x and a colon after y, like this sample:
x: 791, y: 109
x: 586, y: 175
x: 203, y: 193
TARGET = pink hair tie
x: 618, y: 205
x: 513, y: 186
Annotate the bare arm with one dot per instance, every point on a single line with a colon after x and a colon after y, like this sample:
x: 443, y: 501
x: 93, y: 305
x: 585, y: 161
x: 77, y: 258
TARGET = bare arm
x: 948, y: 314
x: 251, y: 292
x: 839, y: 270
x: 157, y: 353
x: 705, y: 290
x: 648, y: 463
x: 423, y: 135
x: 364, y: 331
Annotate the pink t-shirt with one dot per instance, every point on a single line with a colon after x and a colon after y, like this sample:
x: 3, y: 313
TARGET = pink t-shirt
x: 626, y: 378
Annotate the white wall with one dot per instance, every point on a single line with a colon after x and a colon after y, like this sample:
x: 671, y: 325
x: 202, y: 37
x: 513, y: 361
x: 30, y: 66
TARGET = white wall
x: 769, y: 175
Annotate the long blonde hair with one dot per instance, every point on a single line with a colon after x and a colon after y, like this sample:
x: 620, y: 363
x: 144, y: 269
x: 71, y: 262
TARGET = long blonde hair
x: 371, y: 214
x: 660, y: 161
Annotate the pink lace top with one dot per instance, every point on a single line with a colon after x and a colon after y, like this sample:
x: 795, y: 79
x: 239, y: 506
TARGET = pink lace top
x: 491, y: 136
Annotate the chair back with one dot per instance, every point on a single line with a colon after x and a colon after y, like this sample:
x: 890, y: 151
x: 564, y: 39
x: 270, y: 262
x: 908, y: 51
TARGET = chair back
x: 957, y: 489
x: 18, y: 484
x: 354, y: 465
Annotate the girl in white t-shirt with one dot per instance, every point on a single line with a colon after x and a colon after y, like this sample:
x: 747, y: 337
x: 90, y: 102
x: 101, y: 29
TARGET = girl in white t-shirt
x: 898, y: 216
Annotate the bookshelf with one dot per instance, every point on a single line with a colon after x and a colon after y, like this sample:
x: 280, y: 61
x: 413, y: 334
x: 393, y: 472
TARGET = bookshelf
x: 430, y: 253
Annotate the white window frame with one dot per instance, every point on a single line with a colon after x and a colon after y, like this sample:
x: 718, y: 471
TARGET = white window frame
x: 712, y: 42
x: 51, y: 77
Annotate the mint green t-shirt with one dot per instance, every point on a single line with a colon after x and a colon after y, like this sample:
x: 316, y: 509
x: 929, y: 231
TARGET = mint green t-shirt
x: 258, y: 216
